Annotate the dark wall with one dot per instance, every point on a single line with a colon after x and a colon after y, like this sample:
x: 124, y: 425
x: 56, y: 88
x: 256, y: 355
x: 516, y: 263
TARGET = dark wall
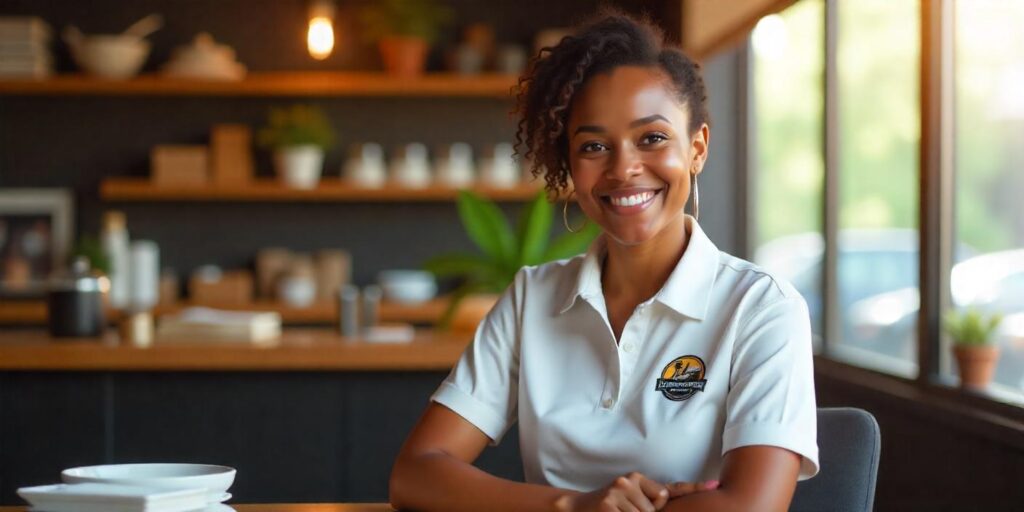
x: 935, y: 456
x: 67, y: 141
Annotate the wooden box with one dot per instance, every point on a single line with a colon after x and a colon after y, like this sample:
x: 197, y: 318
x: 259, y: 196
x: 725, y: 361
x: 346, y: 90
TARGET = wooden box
x: 231, y: 154
x: 333, y: 270
x: 233, y: 288
x: 179, y: 166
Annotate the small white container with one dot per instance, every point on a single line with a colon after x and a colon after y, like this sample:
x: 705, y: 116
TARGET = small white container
x: 500, y: 169
x: 407, y: 286
x: 299, y: 166
x: 297, y: 291
x: 410, y: 167
x: 144, y: 275
x: 365, y: 166
x: 455, y: 169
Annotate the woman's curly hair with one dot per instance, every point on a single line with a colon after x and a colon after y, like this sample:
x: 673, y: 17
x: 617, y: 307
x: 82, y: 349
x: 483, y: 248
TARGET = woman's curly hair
x: 545, y: 93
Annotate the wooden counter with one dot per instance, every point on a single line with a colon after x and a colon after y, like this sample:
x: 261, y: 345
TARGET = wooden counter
x: 296, y: 350
x: 304, y: 507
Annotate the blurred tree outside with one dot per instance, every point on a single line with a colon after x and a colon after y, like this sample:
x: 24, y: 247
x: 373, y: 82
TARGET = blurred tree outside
x: 989, y: 89
x: 878, y: 61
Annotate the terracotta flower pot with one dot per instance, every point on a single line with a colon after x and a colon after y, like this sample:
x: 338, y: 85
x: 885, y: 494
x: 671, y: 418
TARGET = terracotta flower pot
x: 403, y: 56
x: 977, y: 364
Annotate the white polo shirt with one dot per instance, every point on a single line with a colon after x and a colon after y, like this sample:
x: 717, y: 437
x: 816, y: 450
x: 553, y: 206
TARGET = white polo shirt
x: 719, y: 358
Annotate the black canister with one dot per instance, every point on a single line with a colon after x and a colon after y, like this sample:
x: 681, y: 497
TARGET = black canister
x: 75, y: 302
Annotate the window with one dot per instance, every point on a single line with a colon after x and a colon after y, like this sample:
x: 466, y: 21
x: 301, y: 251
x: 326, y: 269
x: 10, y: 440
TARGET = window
x: 787, y: 165
x: 877, y: 62
x: 988, y: 84
x: 874, y: 49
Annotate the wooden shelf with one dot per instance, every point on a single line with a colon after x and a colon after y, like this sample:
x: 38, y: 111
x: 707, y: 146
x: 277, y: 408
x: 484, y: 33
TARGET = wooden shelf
x: 326, y: 312
x: 295, y: 83
x: 28, y: 313
x: 141, y: 189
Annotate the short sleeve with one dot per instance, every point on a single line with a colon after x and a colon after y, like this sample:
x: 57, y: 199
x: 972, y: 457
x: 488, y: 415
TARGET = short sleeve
x: 483, y: 385
x: 771, y: 389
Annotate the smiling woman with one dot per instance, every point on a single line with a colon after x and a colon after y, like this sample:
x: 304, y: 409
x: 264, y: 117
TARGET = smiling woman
x: 654, y: 372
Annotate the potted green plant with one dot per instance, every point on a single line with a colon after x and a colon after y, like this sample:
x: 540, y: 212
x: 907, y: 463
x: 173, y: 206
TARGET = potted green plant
x: 404, y: 30
x: 299, y: 135
x: 502, y: 253
x: 973, y: 345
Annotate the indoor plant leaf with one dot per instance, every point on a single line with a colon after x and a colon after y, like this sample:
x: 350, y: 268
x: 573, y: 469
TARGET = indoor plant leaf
x: 487, y: 227
x: 571, y: 244
x: 534, y: 230
x: 447, y: 265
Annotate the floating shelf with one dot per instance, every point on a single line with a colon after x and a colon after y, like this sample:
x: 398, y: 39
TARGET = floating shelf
x: 293, y: 83
x: 329, y: 190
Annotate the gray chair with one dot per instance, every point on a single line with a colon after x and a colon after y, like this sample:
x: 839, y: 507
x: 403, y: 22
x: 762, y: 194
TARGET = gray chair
x: 849, y: 443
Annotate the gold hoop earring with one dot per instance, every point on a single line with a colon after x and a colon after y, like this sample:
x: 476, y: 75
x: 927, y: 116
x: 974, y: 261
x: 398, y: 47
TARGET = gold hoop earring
x: 696, y: 195
x: 565, y: 218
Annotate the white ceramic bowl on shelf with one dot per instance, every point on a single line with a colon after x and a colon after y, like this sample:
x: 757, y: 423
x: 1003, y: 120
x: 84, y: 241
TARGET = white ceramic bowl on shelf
x: 407, y: 286
x: 110, y: 56
x: 215, y: 479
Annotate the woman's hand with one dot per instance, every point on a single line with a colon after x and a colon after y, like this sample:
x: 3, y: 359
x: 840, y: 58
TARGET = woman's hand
x: 628, y: 493
x: 633, y: 492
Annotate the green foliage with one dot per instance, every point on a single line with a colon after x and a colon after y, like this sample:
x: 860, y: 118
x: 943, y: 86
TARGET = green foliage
x: 408, y: 18
x: 971, y: 327
x: 504, y: 251
x: 90, y: 247
x: 296, y: 126
x: 878, y: 99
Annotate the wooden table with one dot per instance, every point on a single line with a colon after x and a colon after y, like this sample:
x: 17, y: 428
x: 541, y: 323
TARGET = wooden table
x: 304, y: 507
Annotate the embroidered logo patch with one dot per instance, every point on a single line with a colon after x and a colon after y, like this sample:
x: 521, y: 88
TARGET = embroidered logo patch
x: 683, y: 377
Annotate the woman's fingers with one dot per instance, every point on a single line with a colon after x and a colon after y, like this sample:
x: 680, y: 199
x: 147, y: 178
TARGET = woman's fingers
x: 632, y: 494
x: 654, y: 491
x: 678, y: 489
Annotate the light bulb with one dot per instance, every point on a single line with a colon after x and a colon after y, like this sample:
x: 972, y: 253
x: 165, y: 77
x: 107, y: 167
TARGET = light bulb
x: 320, y: 37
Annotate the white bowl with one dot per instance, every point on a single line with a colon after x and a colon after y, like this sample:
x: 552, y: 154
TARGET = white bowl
x: 215, y: 479
x: 297, y: 292
x: 408, y: 286
x: 111, y: 56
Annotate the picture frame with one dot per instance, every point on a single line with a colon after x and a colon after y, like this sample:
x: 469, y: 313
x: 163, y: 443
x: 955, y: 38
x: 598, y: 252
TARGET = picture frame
x: 36, y: 234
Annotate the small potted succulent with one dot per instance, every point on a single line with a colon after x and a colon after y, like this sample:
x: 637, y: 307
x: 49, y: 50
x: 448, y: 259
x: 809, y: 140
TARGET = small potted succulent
x: 404, y: 30
x: 299, y: 135
x: 973, y: 345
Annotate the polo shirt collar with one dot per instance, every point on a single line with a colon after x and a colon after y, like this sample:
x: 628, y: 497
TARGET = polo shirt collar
x: 687, y: 290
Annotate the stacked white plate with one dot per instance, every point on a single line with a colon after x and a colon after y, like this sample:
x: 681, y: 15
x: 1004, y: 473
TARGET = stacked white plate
x: 136, y: 488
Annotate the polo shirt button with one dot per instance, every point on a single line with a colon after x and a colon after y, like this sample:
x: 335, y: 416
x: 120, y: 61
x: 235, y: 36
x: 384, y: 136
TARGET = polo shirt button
x: 629, y: 347
x: 608, y: 403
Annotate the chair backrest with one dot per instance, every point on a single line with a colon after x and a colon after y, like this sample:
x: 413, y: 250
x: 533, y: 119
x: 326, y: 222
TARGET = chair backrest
x: 849, y: 443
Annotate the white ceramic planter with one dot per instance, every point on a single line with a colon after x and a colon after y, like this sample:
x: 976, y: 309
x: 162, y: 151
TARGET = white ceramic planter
x: 299, y: 166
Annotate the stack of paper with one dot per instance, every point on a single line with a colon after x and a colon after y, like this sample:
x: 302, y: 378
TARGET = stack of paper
x: 97, y: 497
x: 25, y: 47
x: 205, y: 324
